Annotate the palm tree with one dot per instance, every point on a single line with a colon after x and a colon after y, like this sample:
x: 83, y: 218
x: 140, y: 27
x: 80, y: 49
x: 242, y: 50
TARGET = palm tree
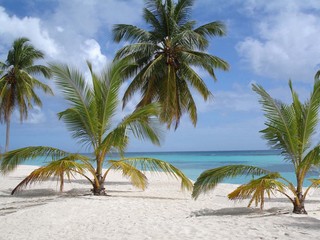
x: 17, y: 84
x: 289, y: 128
x: 90, y: 119
x: 317, y: 76
x: 165, y: 57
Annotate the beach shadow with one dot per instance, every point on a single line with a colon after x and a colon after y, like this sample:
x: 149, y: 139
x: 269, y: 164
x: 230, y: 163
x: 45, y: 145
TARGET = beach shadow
x: 239, y: 211
x: 29, y: 193
x: 283, y: 200
x: 307, y: 223
x: 144, y: 197
x: 27, y: 199
x: 224, y: 212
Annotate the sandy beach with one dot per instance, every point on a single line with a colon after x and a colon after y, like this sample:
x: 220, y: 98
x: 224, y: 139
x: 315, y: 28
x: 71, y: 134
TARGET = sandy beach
x: 160, y: 212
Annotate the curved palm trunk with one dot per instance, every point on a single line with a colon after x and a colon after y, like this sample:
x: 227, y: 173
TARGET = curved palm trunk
x: 8, y: 134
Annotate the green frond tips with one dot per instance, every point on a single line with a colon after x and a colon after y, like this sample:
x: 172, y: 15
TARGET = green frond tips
x: 12, y: 159
x: 58, y: 169
x: 156, y: 166
x: 209, y: 179
x: 257, y: 189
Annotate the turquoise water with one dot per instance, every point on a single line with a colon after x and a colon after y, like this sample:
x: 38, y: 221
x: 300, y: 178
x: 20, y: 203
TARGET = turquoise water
x: 194, y: 163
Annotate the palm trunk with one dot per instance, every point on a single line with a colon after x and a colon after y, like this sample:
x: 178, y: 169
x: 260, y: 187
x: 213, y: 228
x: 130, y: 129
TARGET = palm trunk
x: 98, y: 183
x: 98, y: 187
x: 7, y: 134
x: 61, y: 182
x: 298, y: 206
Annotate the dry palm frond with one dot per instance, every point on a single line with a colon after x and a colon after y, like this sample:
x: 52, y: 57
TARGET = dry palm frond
x: 137, y: 178
x: 257, y: 188
x: 57, y: 169
x: 155, y: 165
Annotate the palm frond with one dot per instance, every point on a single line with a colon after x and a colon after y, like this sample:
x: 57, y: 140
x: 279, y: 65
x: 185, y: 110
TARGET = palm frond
x: 59, y: 169
x: 143, y: 124
x: 129, y: 33
x: 209, y: 179
x: 137, y: 178
x: 182, y: 11
x: 11, y: 159
x: 315, y: 183
x: 257, y: 188
x: 212, y: 29
x: 39, y: 69
x: 156, y: 166
x: 80, y: 118
x: 106, y: 90
x: 196, y: 82
x: 280, y: 132
x: 309, y: 116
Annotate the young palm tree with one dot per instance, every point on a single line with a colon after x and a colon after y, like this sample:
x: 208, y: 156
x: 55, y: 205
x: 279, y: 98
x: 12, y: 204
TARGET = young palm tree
x: 165, y: 57
x: 289, y: 129
x: 17, y: 84
x: 90, y: 118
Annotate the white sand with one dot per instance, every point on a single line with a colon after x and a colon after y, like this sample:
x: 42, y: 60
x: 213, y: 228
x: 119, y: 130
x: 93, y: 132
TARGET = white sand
x: 160, y: 212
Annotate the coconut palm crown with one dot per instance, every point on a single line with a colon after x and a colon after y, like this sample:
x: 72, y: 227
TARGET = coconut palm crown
x: 289, y: 128
x: 165, y: 56
x: 18, y: 84
x: 91, y: 120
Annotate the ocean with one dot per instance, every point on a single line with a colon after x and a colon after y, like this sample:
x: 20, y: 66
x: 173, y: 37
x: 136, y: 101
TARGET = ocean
x: 194, y: 163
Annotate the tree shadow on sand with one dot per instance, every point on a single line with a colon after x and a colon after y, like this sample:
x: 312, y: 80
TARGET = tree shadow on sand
x: 308, y: 223
x: 239, y: 211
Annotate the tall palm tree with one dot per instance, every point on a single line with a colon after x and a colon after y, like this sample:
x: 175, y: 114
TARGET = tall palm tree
x: 17, y: 84
x: 90, y: 119
x: 166, y: 55
x: 289, y: 128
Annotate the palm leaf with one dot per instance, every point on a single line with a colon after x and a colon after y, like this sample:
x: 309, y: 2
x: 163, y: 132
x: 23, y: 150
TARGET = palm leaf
x: 156, y: 166
x: 257, y: 189
x: 137, y: 178
x: 209, y: 179
x: 129, y: 33
x: 315, y: 182
x: 11, y: 159
x: 58, y: 169
x: 279, y: 132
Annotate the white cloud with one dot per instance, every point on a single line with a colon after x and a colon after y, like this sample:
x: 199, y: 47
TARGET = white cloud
x: 13, y: 27
x: 92, y: 52
x: 286, y: 45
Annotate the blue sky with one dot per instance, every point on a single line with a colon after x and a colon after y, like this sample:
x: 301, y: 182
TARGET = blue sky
x: 268, y: 42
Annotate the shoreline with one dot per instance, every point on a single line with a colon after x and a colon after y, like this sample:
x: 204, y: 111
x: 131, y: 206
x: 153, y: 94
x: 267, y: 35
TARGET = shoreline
x: 162, y: 211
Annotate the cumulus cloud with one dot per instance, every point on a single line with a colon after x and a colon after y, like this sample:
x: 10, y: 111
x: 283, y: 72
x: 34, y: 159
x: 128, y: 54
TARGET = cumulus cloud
x: 92, y: 52
x: 13, y: 27
x: 286, y: 41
